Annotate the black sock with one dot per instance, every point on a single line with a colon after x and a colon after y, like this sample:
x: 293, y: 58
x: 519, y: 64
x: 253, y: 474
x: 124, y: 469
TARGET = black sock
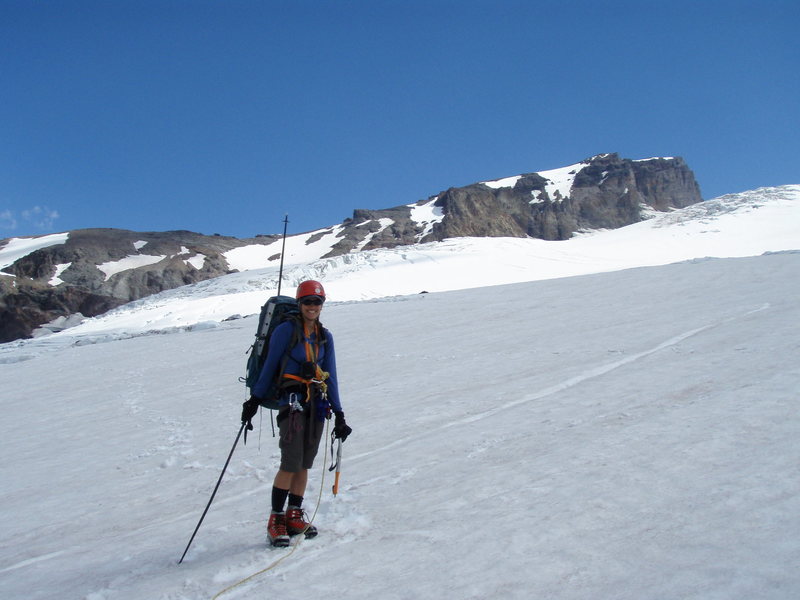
x: 278, y: 499
x: 295, y: 500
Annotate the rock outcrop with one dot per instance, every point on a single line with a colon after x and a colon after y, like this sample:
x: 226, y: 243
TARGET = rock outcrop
x: 95, y: 270
x: 603, y: 192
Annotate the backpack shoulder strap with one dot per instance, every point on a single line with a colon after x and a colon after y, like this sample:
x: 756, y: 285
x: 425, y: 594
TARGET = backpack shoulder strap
x: 323, y: 333
x: 297, y: 337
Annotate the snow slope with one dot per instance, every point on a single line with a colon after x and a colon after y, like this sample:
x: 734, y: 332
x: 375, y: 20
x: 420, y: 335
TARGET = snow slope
x: 516, y: 441
x: 628, y: 434
x: 16, y: 248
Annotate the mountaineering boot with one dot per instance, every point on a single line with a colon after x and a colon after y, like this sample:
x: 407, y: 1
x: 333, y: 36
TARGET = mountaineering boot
x: 296, y: 523
x: 276, y: 530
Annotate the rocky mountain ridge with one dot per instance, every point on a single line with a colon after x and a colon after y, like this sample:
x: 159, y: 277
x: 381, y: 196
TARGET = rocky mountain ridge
x: 90, y: 271
x: 603, y: 192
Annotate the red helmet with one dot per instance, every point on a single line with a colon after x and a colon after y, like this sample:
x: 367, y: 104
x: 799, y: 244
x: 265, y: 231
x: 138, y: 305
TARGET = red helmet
x: 310, y: 288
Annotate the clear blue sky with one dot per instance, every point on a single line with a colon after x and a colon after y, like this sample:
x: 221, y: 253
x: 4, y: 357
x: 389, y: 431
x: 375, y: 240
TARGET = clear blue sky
x: 220, y: 117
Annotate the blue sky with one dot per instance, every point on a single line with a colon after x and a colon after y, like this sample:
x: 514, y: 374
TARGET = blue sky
x: 221, y: 117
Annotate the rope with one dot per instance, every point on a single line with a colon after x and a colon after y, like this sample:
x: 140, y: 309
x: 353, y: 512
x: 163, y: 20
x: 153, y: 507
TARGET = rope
x: 301, y: 536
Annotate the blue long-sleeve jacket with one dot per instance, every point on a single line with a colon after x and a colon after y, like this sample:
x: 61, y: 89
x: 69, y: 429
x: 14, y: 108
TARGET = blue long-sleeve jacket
x: 278, y: 342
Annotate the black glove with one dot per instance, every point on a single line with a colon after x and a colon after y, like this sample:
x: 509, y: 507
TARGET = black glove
x: 249, y: 410
x: 340, y: 427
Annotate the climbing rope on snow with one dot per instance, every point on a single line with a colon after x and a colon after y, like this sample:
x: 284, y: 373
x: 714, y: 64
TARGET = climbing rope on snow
x: 295, y: 546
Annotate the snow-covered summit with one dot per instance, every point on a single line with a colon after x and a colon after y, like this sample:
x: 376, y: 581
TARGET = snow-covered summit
x: 558, y: 184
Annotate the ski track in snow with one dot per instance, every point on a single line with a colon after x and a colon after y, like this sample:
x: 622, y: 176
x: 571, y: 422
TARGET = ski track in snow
x: 37, y: 559
x: 560, y: 387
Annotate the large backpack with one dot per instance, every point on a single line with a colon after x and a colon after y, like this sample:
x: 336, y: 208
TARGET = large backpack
x: 276, y: 310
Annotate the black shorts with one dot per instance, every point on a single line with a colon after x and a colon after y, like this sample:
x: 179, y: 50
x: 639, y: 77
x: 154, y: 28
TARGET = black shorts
x: 300, y: 434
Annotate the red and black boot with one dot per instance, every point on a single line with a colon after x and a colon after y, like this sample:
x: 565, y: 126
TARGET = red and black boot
x: 276, y: 530
x: 297, y: 524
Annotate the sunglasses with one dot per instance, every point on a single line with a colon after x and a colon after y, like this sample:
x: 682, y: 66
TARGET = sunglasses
x: 312, y: 301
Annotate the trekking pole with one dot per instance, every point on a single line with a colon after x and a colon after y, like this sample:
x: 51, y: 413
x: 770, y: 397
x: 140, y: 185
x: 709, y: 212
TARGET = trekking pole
x: 283, y: 251
x: 336, y: 465
x: 214, y: 493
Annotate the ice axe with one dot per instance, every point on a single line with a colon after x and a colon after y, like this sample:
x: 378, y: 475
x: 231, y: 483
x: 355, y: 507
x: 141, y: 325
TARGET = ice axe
x: 337, y: 463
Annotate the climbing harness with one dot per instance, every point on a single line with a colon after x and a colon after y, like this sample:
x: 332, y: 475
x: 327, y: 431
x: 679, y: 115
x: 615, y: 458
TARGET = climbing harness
x: 311, y: 375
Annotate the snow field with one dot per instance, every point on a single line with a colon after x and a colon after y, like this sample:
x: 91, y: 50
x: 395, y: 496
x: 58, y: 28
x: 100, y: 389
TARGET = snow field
x: 623, y: 435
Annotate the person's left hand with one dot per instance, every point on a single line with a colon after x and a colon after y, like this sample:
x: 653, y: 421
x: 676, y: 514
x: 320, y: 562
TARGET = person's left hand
x: 340, y: 427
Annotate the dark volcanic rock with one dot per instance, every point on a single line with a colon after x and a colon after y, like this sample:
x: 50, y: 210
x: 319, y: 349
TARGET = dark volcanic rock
x: 170, y: 259
x: 606, y: 192
x: 26, y: 305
